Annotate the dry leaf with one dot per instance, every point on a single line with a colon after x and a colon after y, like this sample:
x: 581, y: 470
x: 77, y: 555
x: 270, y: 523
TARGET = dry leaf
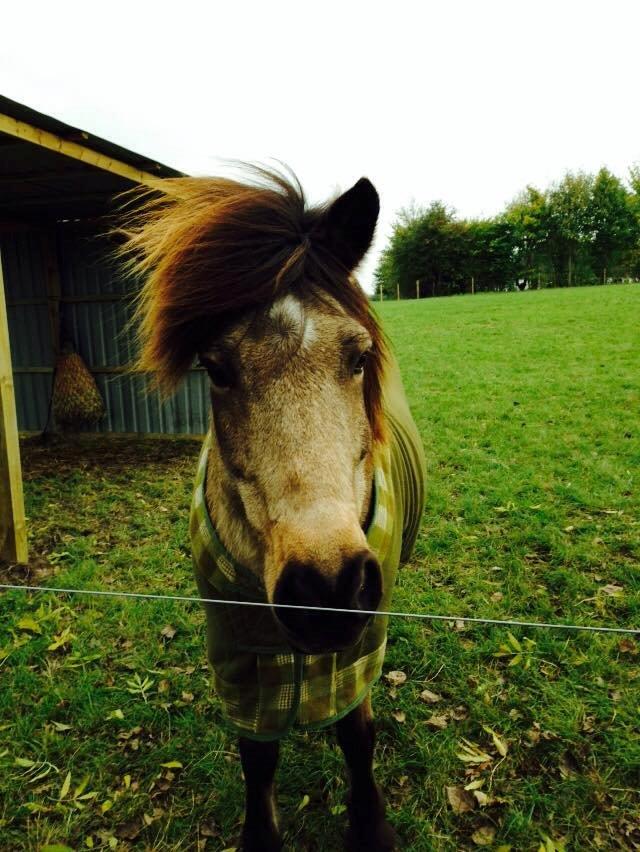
x: 484, y: 836
x: 628, y: 646
x: 168, y: 631
x: 588, y: 724
x: 430, y: 697
x: 612, y: 589
x: 471, y: 753
x: 499, y: 743
x: 207, y: 829
x: 129, y: 830
x: 438, y: 722
x: 395, y: 678
x: 459, y: 713
x: 460, y: 800
x: 399, y: 715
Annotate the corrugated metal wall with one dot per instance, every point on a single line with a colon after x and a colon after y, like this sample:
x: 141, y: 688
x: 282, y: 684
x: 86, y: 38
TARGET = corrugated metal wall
x: 95, y: 307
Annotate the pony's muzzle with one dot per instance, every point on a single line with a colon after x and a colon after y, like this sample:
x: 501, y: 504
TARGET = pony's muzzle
x: 357, y: 587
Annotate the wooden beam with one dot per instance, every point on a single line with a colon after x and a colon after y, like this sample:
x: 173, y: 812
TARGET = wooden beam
x: 13, y: 527
x: 45, y: 139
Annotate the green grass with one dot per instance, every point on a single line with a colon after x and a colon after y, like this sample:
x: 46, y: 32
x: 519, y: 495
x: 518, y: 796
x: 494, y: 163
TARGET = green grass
x: 528, y: 405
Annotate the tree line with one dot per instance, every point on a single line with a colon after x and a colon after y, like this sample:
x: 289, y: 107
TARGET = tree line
x: 584, y: 229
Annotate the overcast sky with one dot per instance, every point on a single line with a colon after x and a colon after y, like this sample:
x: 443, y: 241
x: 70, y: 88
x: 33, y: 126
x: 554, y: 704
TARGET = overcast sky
x: 466, y: 102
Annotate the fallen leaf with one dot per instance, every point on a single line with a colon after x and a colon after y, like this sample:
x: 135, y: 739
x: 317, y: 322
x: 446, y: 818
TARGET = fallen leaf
x: 438, y: 722
x: 484, y: 836
x: 30, y: 624
x: 172, y: 764
x: 471, y: 753
x: 66, y: 784
x: 187, y: 697
x: 395, y: 678
x: 129, y: 830
x: 460, y: 800
x: 168, y: 631
x: 208, y: 829
x: 459, y: 713
x: 430, y: 697
x: 588, y: 724
x: 304, y: 802
x: 399, y: 715
x: 612, y: 589
x: 499, y: 743
x: 115, y: 714
x: 628, y: 646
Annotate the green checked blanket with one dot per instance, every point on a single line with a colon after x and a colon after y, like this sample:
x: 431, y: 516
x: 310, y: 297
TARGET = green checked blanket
x: 264, y: 685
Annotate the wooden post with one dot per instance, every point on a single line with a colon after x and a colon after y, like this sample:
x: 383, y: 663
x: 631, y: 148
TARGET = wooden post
x: 397, y: 292
x: 418, y: 288
x: 381, y: 293
x: 473, y: 285
x: 13, y: 528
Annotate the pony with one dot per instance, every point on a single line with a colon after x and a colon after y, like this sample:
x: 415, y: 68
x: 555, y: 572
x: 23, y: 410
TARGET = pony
x: 309, y: 489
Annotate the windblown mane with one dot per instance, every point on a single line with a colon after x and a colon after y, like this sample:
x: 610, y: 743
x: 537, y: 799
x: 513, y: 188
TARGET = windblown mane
x: 211, y: 249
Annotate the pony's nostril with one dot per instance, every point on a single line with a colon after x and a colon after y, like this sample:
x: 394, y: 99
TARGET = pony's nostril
x: 371, y: 588
x: 360, y: 582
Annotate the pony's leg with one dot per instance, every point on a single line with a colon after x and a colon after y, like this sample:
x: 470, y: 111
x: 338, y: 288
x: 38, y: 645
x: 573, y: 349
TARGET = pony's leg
x: 368, y: 827
x: 259, y: 762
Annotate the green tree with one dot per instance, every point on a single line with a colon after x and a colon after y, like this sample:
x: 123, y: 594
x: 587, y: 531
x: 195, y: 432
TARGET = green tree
x: 570, y: 226
x: 528, y: 215
x: 634, y: 180
x: 491, y: 258
x: 614, y: 224
x: 422, y: 248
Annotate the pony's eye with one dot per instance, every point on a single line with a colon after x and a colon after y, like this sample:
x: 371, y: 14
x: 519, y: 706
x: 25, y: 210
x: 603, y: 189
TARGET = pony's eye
x: 358, y: 367
x: 220, y: 374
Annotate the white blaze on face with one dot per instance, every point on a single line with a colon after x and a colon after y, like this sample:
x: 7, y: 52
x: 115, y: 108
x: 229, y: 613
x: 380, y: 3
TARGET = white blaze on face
x: 290, y: 317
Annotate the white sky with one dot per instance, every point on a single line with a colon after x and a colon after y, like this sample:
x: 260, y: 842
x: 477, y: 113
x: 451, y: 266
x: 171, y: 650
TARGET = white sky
x: 466, y: 102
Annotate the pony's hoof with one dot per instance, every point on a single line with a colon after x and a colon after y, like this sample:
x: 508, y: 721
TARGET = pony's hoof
x: 265, y: 841
x: 380, y: 838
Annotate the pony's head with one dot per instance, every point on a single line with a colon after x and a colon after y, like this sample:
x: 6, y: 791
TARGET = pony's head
x: 259, y: 288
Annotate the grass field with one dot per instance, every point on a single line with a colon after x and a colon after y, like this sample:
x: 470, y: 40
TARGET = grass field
x: 110, y: 737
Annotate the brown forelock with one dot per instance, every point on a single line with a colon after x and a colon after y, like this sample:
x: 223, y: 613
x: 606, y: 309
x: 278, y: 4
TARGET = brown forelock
x: 209, y: 250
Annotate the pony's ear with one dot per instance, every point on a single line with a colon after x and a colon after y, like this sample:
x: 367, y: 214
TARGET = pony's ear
x: 346, y: 228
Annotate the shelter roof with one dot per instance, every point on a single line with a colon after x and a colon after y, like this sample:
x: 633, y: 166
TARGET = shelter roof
x: 50, y: 170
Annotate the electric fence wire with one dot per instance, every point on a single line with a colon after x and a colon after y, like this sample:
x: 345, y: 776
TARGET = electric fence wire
x: 426, y: 616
